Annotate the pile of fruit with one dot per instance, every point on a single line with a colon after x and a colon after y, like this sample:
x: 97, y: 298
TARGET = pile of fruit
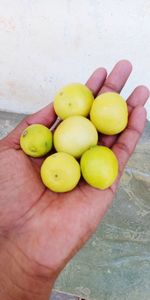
x: 75, y: 139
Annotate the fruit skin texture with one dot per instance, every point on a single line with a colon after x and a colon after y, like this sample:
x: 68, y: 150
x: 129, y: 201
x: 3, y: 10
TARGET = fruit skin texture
x: 75, y: 135
x: 73, y: 99
x: 109, y: 113
x: 99, y: 167
x: 36, y: 140
x: 60, y: 172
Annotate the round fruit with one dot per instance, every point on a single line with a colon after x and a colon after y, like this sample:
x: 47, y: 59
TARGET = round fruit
x: 109, y: 113
x: 60, y: 172
x: 75, y: 135
x: 99, y: 167
x: 36, y: 140
x: 73, y: 99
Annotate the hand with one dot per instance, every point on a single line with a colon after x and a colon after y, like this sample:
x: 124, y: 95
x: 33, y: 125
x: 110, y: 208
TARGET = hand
x: 40, y: 231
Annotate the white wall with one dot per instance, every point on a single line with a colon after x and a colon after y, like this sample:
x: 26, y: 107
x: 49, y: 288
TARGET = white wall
x: 47, y: 43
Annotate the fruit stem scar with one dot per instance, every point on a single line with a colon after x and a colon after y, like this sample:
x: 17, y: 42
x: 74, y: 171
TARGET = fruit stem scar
x: 33, y: 149
x: 61, y: 93
x: 56, y: 175
x: 25, y: 133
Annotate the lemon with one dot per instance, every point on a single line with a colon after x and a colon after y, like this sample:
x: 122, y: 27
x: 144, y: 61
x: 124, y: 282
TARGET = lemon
x: 109, y: 113
x: 36, y: 140
x: 99, y: 167
x: 60, y: 172
x: 73, y: 99
x: 75, y: 135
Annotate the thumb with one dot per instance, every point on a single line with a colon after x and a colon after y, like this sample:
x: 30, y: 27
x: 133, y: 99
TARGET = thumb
x: 46, y: 116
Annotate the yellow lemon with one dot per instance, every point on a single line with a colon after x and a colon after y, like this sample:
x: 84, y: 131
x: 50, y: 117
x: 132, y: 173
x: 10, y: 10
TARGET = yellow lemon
x: 36, y: 140
x: 109, y: 113
x: 75, y: 135
x: 73, y: 99
x: 60, y: 172
x: 99, y: 167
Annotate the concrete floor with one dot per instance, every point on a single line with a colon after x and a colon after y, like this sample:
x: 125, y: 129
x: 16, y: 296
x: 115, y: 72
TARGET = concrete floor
x: 63, y: 296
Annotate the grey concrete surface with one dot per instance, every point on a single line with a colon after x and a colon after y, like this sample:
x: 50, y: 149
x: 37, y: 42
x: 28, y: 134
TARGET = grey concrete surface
x: 8, y: 121
x: 63, y: 296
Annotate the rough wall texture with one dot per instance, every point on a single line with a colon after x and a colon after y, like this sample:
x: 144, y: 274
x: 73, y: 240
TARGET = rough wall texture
x: 45, y: 44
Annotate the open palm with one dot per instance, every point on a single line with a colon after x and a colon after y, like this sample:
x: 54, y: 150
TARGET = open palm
x: 42, y: 230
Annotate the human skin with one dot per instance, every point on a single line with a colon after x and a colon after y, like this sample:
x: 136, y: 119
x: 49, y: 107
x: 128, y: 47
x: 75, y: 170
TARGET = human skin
x: 40, y: 231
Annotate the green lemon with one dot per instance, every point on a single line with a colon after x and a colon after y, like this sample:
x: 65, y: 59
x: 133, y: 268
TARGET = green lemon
x: 73, y: 99
x: 60, y: 172
x: 75, y: 135
x: 36, y: 140
x: 99, y: 167
x: 109, y: 113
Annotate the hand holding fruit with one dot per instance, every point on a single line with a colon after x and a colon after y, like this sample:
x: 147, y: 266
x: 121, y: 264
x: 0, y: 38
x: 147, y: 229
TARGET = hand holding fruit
x: 77, y: 136
x: 41, y: 230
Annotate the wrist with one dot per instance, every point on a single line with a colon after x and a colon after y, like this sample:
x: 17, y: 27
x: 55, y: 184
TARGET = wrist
x: 19, y: 278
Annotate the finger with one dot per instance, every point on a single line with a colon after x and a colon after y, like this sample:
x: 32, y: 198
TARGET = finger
x: 45, y: 116
x: 137, y: 98
x: 96, y: 80
x: 107, y: 140
x: 117, y: 78
x: 126, y: 143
